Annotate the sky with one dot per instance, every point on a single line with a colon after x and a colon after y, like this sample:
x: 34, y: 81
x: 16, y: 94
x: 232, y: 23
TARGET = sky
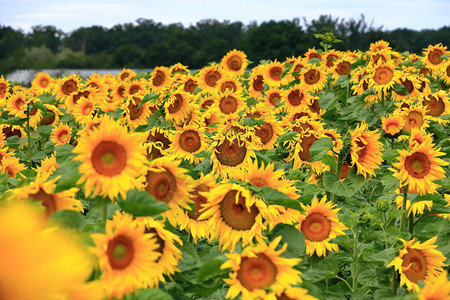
x: 73, y: 14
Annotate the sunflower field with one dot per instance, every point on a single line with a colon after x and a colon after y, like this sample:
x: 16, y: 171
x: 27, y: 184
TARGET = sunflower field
x: 323, y: 176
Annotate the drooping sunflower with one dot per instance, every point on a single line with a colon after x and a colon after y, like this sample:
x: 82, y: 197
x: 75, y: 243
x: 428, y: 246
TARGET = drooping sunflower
x: 11, y: 166
x: 157, y: 142
x: 432, y: 56
x: 366, y: 150
x: 12, y: 130
x: 188, y: 220
x: 111, y: 159
x: 177, y: 107
x: 166, y: 263
x: 61, y: 134
x: 319, y: 225
x: 208, y: 77
x: 260, y: 269
x: 41, y: 190
x: 236, y: 215
x: 392, y: 124
x: 17, y: 104
x: 418, y: 261
x: 187, y: 142
x: 160, y: 79
x: 313, y: 78
x: 234, y: 62
x: 419, y: 167
x: 42, y: 83
x: 127, y: 255
x: 416, y: 208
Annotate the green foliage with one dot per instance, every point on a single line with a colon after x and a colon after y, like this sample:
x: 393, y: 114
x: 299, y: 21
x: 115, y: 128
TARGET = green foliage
x: 142, y: 204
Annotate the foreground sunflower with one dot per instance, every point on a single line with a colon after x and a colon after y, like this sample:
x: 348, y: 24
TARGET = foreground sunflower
x: 319, y: 225
x: 111, y: 159
x: 438, y: 289
x: 259, y: 269
x: 127, y: 255
x: 366, y: 150
x: 419, y: 167
x: 418, y: 261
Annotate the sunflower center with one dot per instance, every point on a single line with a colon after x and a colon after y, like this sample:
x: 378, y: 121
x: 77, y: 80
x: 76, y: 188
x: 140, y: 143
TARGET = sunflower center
x: 417, y: 165
x: 435, y: 57
x: 159, y: 241
x: 264, y: 132
x: 435, y: 106
x: 275, y: 73
x: 47, y: 200
x: 259, y: 182
x: 211, y: 78
x: 283, y: 296
x: 274, y: 98
x: 408, y: 85
x: 134, y: 89
x: 159, y: 78
x: 230, y: 153
x: 190, y: 141
x: 258, y: 83
x: 236, y: 214
x: 69, y: 87
x: 162, y: 185
x: 228, y: 105
x: 87, y: 109
x: 330, y: 60
x: 120, y: 252
x: 316, y: 227
x: 306, y: 144
x: 414, y: 265
x: 109, y: 158
x: 361, y: 152
x: 176, y: 105
x: 64, y: 136
x: 295, y: 97
x: 383, y: 75
x: 135, y: 110
x: 199, y: 200
x: 392, y: 128
x: 257, y: 272
x: 228, y: 85
x: 234, y: 63
x: 312, y: 76
x: 413, y: 119
x: 190, y: 85
x: 343, y: 68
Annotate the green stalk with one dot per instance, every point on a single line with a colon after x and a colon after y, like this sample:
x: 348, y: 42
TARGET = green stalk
x: 355, y: 261
x: 405, y: 198
x: 411, y: 223
x: 338, y: 173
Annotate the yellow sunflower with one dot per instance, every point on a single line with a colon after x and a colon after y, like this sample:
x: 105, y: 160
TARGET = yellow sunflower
x: 383, y: 76
x: 436, y: 289
x: 84, y: 109
x: 234, y: 62
x: 187, y: 142
x: 157, y: 142
x: 12, y: 130
x: 73, y: 99
x: 259, y: 269
x: 418, y: 261
x: 66, y: 86
x: 330, y: 58
x: 419, y: 167
x: 11, y: 166
x: 111, y: 160
x: 48, y: 165
x: 98, y: 86
x: 272, y: 72
x: 160, y: 79
x: 272, y: 97
x: 415, y: 116
x: 319, y: 224
x: 208, y: 77
x: 126, y: 74
x: 229, y: 103
x: 335, y: 138
x: 53, y: 115
x: 267, y: 134
x: 301, y: 154
x: 236, y: 215
x: 178, y: 68
x: 166, y: 263
x: 313, y: 78
x: 392, y: 124
x: 136, y: 114
x: 437, y: 104
x: 256, y: 84
x: 432, y: 56
x: 135, y: 87
x: 416, y: 208
x: 230, y: 84
x: 127, y: 255
x: 177, y: 107
x: 61, y: 134
x: 445, y: 73
x: 419, y: 136
x: 366, y: 150
x: 312, y: 53
x: 189, y: 83
x: 343, y: 66
x: 295, y: 97
x: 4, y: 89
x: 412, y: 84
x: 294, y: 293
x: 17, y: 104
x: 42, y: 83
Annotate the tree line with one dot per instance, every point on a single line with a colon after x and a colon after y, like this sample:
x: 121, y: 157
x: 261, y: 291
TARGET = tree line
x: 146, y: 43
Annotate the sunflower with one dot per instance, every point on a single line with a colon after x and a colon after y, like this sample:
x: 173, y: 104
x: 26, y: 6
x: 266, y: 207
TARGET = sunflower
x: 188, y: 220
x: 366, y: 150
x: 42, y: 83
x: 412, y: 84
x: 343, y: 66
x: 189, y: 83
x: 72, y: 100
x: 187, y: 142
x: 51, y: 117
x: 61, y: 134
x: 48, y: 165
x: 437, y: 289
x: 301, y: 154
x: 272, y: 97
x: 12, y: 130
x: 445, y: 73
x: 35, y: 115
x: 383, y: 76
x: 66, y: 86
x: 160, y: 79
x: 158, y: 142
x: 330, y: 58
x: 418, y: 261
x: 4, y: 89
x: 127, y: 255
x: 319, y: 224
x: 256, y: 84
x: 432, y: 56
x: 229, y: 103
x: 380, y: 45
x: 126, y: 74
x: 178, y: 68
x: 41, y: 190
x: 98, y: 86
x: 37, y: 255
x: 84, y: 109
x: 295, y: 293
x: 295, y: 97
x: 419, y: 136
x: 111, y: 158
x: 437, y: 105
x: 272, y: 74
x: 166, y: 263
x: 392, y: 124
x: 135, y: 87
x: 11, y: 166
x: 118, y: 91
x: 419, y: 167
x: 236, y: 215
x: 268, y: 132
x: 228, y: 83
x: 415, y: 116
x: 208, y: 77
x: 17, y: 104
x: 259, y: 269
x: 135, y: 113
x: 312, y: 53
x: 416, y: 208
x: 177, y: 107
x: 234, y: 62
x: 313, y: 78
x: 335, y: 138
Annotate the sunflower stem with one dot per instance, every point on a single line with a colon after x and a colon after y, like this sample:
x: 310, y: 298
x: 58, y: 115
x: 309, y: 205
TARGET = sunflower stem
x: 411, y: 223
x: 29, y: 137
x: 405, y: 198
x: 338, y: 174
x: 104, y: 208
x: 355, y: 261
x: 392, y: 142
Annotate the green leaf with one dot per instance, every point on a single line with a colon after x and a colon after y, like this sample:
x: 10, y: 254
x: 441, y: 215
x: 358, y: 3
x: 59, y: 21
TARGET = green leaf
x: 150, y: 294
x: 390, y: 182
x: 64, y: 153
x: 275, y: 197
x: 209, y: 269
x: 69, y: 218
x: 142, y: 204
x: 288, y: 136
x: 327, y: 100
x: 39, y: 105
x: 400, y: 88
x: 293, y: 237
x: 147, y: 98
x: 383, y: 257
x: 342, y: 81
x: 13, y: 121
x: 69, y: 176
x: 251, y: 122
x: 38, y: 156
x: 320, y: 147
x: 329, y: 161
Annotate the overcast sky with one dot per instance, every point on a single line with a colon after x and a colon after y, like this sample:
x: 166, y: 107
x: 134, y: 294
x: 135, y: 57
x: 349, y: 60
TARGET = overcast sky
x: 73, y: 14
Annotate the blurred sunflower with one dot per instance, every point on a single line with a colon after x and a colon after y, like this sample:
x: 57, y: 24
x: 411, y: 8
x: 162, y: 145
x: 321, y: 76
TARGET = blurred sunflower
x: 66, y: 86
x: 319, y: 225
x: 157, y: 142
x: 259, y: 269
x: 160, y: 79
x: 4, y: 89
x: 418, y: 261
x: 51, y: 116
x: 256, y: 84
x: 313, y: 78
x: 135, y: 113
x: 412, y: 85
x: 294, y: 293
x: 189, y: 83
x: 229, y: 103
x: 61, y: 134
x: 48, y: 165
x: 42, y: 83
x: 432, y: 56
x: 272, y: 97
x: 11, y: 165
x: 135, y: 86
x: 383, y: 76
x: 436, y: 289
x: 84, y: 109
x: 177, y: 107
x: 268, y: 132
x: 126, y: 74
x: 437, y: 104
x: 415, y: 116
x: 228, y: 83
x: 416, y: 208
x: 295, y: 97
x: 234, y: 62
x: 272, y: 74
x: 17, y: 104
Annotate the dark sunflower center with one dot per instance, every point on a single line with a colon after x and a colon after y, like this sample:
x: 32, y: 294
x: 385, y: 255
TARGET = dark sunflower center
x: 413, y: 119
x: 120, y: 252
x: 316, y: 227
x: 135, y: 109
x: 64, y: 136
x: 207, y: 103
x: 274, y: 98
x: 295, y: 97
x: 47, y: 200
x: 3, y: 89
x: 415, y: 263
x: 361, y: 152
x: 275, y: 73
x: 190, y: 141
x: 109, y: 158
x: 408, y: 85
x: 417, y: 165
x: 211, y: 78
x: 257, y: 272
x: 159, y: 78
x: 283, y: 296
x: 435, y: 57
x: 383, y: 75
x: 264, y: 132
x: 199, y: 200
x: 231, y: 153
x: 176, y: 104
x: 134, y: 88
x: 330, y: 60
x: 69, y: 87
x: 306, y: 144
x: 435, y: 106
x: 228, y: 85
x: 314, y: 106
x: 258, y: 83
x: 343, y: 68
x: 312, y: 76
x: 44, y: 82
x: 162, y: 185
x: 190, y: 85
x: 235, y: 213
x: 228, y: 105
x: 234, y: 63
x: 159, y: 241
